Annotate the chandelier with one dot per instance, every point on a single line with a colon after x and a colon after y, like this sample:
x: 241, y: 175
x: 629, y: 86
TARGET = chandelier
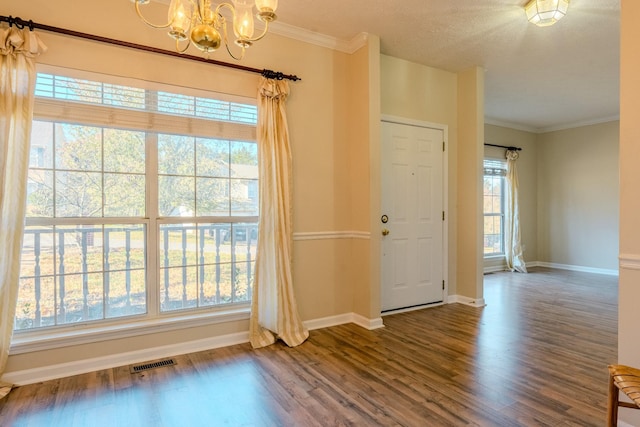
x: 546, y: 12
x: 197, y: 22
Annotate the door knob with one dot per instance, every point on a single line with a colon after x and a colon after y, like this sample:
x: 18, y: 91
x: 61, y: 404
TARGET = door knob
x: 385, y: 231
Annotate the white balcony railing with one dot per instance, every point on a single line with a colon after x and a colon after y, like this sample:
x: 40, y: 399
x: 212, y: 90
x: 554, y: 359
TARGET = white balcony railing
x: 87, y: 273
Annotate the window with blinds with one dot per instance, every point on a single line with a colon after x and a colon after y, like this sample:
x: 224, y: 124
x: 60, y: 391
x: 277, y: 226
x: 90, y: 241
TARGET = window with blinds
x: 141, y: 200
x: 127, y: 97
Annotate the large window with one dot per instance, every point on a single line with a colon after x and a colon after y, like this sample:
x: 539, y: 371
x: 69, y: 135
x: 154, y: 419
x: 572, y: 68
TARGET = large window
x: 493, y: 198
x: 141, y: 201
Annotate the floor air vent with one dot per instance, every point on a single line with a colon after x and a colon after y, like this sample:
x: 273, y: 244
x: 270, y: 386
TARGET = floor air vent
x: 152, y: 365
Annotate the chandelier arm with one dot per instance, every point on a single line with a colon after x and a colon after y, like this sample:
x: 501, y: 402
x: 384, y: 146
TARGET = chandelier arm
x: 222, y: 19
x: 151, y: 24
x: 228, y: 6
x: 198, y: 8
x: 237, y: 58
x: 261, y: 36
x: 186, y: 46
x: 223, y: 23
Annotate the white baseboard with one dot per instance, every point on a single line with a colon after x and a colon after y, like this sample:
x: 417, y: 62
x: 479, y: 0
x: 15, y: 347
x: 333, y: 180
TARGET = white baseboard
x: 327, y: 322
x: 623, y: 424
x: 530, y: 264
x: 45, y: 373
x: 341, y: 319
x: 609, y: 272
x: 369, y: 324
x: 461, y: 299
x: 494, y: 269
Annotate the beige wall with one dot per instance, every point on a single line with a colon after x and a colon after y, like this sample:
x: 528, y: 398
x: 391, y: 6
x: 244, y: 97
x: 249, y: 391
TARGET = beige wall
x: 330, y: 152
x: 578, y: 196
x: 568, y: 193
x: 629, y: 290
x: 365, y: 180
x: 419, y: 92
x: 469, y: 197
x: 527, y: 179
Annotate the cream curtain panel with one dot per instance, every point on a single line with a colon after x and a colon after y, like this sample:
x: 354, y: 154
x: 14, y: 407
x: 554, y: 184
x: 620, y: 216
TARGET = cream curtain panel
x: 17, y: 84
x: 512, y: 243
x: 274, y: 312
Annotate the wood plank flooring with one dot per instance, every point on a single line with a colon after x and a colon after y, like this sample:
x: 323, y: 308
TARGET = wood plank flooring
x: 536, y: 355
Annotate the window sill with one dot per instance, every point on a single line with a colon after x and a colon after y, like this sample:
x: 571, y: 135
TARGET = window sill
x: 30, y: 341
x: 493, y: 256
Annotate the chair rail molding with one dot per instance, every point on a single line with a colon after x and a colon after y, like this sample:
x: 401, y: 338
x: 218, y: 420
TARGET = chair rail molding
x: 323, y: 235
x: 629, y: 261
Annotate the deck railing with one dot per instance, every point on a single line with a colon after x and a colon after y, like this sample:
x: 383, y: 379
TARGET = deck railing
x: 222, y: 270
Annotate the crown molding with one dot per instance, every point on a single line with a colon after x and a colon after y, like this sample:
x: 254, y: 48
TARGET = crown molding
x: 318, y: 39
x: 497, y: 122
x: 579, y: 124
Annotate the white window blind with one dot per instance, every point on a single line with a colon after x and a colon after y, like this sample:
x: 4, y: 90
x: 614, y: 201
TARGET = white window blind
x: 494, y: 167
x: 163, y: 110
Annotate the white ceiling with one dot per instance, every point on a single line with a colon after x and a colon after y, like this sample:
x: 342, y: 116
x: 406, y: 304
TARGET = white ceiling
x: 537, y: 79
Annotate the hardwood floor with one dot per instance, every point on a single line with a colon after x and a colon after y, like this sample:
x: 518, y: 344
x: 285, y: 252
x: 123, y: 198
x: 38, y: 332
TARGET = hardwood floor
x: 536, y: 355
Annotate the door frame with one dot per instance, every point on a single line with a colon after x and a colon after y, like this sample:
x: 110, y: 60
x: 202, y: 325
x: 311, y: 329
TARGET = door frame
x: 445, y: 201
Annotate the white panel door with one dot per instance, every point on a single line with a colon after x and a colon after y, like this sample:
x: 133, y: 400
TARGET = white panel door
x: 412, y: 205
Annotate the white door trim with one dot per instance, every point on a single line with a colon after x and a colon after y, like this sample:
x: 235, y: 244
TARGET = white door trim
x: 445, y: 186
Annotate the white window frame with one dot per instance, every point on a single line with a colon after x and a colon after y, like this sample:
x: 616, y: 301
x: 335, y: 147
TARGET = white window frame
x: 155, y: 321
x: 490, y: 163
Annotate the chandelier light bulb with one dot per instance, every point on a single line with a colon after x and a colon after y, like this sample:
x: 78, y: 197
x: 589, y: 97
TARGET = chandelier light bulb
x: 267, y: 9
x: 243, y: 19
x: 179, y: 16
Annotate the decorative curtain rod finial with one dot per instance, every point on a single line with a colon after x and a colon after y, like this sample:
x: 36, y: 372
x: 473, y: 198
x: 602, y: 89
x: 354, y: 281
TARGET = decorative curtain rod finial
x: 277, y: 75
x: 19, y: 23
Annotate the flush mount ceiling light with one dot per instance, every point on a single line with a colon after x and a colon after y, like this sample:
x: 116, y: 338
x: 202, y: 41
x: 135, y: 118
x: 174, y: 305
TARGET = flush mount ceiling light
x: 546, y: 12
x: 197, y: 22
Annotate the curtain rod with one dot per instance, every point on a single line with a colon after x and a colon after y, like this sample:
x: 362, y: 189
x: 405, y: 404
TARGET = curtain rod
x: 504, y: 146
x: 20, y: 23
